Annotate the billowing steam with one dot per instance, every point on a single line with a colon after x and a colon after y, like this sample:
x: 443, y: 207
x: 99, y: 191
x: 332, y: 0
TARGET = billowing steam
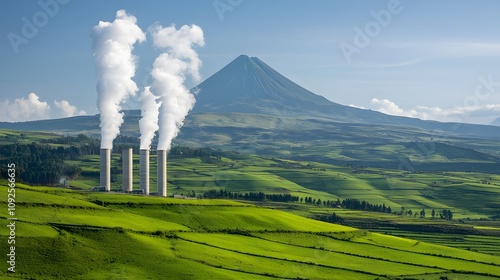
x: 115, y: 66
x: 169, y: 73
x: 148, y: 124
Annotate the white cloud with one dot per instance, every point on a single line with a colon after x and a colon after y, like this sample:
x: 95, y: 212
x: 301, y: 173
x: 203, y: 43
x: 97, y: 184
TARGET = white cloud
x: 68, y: 110
x: 23, y: 109
x: 356, y: 106
x: 388, y: 107
x: 482, y: 114
x: 32, y: 108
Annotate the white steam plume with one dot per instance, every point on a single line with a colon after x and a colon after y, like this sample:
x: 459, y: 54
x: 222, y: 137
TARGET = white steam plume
x: 169, y: 73
x: 115, y: 66
x: 148, y: 124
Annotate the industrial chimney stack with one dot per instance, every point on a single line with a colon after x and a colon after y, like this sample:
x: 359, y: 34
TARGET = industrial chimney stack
x: 127, y: 169
x: 162, y: 172
x: 144, y: 170
x: 106, y: 169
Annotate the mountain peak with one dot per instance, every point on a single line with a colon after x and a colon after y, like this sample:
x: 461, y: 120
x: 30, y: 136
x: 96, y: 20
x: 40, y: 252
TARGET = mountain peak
x: 242, y: 57
x: 249, y: 85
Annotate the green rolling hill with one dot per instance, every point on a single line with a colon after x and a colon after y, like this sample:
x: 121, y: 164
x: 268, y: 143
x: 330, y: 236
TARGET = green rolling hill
x: 134, y: 237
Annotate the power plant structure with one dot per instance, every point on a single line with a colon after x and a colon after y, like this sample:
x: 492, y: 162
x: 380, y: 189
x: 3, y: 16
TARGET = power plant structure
x: 127, y: 165
x: 144, y: 170
x: 105, y: 169
x: 127, y: 169
x: 161, y: 156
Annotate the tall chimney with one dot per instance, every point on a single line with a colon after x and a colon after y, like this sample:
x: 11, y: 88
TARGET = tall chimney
x: 127, y: 169
x: 144, y: 170
x: 106, y: 169
x: 162, y: 172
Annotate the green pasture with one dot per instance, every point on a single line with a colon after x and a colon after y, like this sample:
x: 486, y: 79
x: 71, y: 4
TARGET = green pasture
x: 138, y: 237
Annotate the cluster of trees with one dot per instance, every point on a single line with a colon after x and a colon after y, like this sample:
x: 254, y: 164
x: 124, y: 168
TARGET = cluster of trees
x: 354, y: 204
x: 365, y: 206
x: 333, y: 218
x: 445, y: 214
x: 252, y: 196
x: 349, y: 203
x: 38, y: 164
x: 410, y: 213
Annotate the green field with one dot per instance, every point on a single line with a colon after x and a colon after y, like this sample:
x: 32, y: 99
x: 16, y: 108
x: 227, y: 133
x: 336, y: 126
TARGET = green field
x: 72, y: 232
x: 64, y: 234
x: 468, y: 194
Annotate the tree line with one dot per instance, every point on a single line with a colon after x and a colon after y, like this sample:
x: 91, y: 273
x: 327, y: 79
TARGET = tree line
x: 349, y: 203
x: 251, y: 196
x: 445, y: 214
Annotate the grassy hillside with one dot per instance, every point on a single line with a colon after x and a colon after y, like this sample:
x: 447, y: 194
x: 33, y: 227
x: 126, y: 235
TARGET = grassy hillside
x: 468, y: 194
x: 63, y: 234
x: 136, y: 237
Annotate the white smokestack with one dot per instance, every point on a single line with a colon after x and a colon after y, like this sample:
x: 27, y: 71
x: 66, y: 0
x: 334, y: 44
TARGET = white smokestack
x: 148, y: 124
x: 127, y: 170
x: 144, y: 170
x: 106, y: 169
x: 169, y: 74
x: 162, y: 172
x: 115, y: 66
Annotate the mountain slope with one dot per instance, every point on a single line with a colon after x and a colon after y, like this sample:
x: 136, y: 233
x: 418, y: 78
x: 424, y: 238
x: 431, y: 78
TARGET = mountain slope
x: 248, y: 85
x: 496, y: 122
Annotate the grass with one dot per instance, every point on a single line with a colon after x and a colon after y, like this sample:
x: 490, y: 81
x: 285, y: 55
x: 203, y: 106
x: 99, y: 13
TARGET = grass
x: 475, y: 243
x: 120, y: 198
x: 77, y: 234
x: 261, y: 247
x: 136, y: 237
x: 261, y: 265
x: 468, y: 194
x: 209, y: 218
x: 29, y: 197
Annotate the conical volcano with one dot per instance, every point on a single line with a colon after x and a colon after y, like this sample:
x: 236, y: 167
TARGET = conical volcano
x: 248, y: 85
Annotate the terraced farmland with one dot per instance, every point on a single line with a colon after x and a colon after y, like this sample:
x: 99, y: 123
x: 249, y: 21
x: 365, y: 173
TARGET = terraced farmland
x: 63, y: 234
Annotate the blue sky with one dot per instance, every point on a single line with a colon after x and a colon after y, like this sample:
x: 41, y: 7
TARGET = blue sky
x: 432, y: 59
